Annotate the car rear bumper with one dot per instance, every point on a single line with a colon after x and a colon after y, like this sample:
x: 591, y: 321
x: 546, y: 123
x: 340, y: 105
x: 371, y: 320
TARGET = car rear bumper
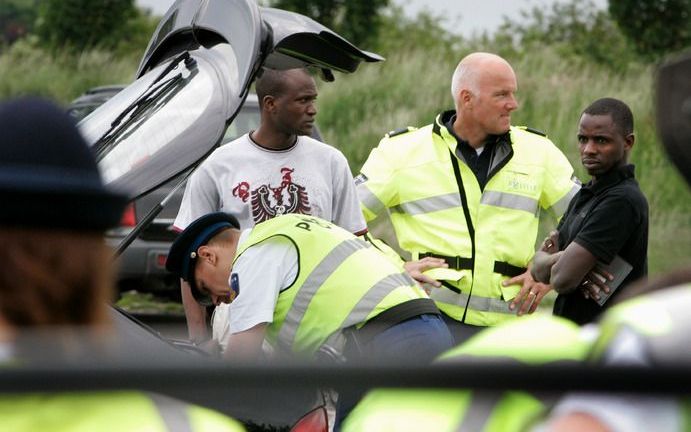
x: 145, y: 261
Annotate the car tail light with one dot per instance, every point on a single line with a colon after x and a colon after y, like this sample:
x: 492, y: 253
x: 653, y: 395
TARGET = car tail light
x: 129, y: 217
x: 314, y: 421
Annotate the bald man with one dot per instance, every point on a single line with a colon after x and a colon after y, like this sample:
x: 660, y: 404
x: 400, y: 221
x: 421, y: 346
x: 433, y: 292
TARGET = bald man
x: 464, y: 195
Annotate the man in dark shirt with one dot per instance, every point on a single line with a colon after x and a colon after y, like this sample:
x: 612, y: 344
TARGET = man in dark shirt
x: 608, y: 217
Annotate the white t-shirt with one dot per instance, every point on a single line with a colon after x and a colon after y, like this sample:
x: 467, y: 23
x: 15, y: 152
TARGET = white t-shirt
x: 255, y: 184
x: 262, y: 271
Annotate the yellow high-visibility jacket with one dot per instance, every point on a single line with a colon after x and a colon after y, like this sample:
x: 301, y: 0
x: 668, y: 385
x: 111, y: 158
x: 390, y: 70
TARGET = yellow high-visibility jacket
x: 437, y: 207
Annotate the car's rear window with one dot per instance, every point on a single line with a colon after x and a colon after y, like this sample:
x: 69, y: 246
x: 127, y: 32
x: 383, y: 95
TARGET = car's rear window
x: 247, y: 120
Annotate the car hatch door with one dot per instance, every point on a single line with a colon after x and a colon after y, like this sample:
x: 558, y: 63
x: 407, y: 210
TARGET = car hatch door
x: 176, y: 111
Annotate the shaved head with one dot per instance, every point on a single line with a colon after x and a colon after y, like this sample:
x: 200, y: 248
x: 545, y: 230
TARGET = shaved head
x: 472, y: 68
x: 276, y: 82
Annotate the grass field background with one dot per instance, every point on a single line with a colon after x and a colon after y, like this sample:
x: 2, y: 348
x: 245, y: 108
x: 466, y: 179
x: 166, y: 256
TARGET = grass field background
x: 410, y: 88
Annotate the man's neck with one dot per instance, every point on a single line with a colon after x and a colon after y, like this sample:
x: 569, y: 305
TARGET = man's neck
x: 474, y: 136
x: 594, y: 179
x: 273, y: 140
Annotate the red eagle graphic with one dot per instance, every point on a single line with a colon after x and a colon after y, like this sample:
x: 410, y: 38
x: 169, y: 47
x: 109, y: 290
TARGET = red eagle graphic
x: 288, y: 197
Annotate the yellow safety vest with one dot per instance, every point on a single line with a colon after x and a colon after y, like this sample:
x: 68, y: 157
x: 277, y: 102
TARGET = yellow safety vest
x: 660, y: 320
x: 652, y: 328
x: 342, y: 282
x: 536, y: 339
x: 438, y: 208
x: 124, y: 411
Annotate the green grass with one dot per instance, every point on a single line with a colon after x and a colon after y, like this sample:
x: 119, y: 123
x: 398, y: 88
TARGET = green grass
x: 410, y: 88
x: 27, y: 70
x: 147, y: 303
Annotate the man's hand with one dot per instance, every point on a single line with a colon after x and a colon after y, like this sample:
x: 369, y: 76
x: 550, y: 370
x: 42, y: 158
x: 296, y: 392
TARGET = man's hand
x: 210, y: 347
x: 530, y: 295
x: 545, y: 257
x: 415, y: 269
x: 551, y: 243
x: 594, y: 283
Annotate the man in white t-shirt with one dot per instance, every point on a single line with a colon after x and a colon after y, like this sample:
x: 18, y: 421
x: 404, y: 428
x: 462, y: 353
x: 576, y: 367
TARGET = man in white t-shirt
x: 273, y: 170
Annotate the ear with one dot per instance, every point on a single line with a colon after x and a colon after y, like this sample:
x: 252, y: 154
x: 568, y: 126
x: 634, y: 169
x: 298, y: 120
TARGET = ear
x: 269, y: 103
x: 207, y: 254
x: 465, y: 96
x: 629, y: 141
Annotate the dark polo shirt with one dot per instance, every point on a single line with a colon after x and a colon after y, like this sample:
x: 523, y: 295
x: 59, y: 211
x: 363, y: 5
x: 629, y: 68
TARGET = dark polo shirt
x: 607, y: 218
x: 478, y: 164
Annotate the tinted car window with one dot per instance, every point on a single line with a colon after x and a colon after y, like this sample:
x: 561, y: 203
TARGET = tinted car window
x: 247, y: 120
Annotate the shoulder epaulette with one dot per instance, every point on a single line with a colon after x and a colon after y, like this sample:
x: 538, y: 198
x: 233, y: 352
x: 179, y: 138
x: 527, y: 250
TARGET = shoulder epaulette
x: 400, y: 131
x: 535, y: 131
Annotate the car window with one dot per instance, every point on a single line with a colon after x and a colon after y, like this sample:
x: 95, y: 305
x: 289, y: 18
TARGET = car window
x: 247, y: 120
x: 80, y: 112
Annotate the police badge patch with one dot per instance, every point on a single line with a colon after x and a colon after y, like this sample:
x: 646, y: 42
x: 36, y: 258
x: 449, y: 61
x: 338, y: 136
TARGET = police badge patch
x: 234, y: 286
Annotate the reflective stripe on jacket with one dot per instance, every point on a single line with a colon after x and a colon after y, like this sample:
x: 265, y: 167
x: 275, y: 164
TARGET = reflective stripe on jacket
x: 412, y: 176
x: 342, y: 281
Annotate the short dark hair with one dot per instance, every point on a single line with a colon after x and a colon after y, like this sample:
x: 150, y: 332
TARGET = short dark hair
x: 620, y: 112
x: 272, y: 82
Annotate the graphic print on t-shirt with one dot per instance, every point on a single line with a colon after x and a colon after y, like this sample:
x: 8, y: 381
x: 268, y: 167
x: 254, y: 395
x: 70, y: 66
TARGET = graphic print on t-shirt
x: 269, y: 201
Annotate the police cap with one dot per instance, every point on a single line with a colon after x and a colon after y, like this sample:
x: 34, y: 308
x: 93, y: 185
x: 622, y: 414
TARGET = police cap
x: 182, y: 258
x: 48, y: 174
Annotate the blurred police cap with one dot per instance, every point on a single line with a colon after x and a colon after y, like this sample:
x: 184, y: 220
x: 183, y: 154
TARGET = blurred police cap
x: 48, y: 175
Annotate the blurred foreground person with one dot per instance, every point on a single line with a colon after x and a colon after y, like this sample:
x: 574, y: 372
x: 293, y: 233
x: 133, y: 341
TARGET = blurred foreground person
x: 650, y: 330
x: 534, y: 340
x: 56, y: 279
x: 621, y: 338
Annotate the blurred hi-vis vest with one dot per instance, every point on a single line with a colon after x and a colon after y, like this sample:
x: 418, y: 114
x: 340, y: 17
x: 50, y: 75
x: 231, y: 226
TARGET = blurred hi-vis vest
x: 436, y: 206
x: 535, y: 340
x: 111, y: 411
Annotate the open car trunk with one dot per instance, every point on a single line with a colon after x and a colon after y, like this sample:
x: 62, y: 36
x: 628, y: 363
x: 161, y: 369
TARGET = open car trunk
x: 190, y: 84
x: 193, y: 79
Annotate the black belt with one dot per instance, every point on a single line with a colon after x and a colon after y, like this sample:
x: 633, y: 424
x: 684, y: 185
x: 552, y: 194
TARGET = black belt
x: 456, y: 263
x: 462, y: 263
x: 507, y: 269
x: 392, y: 316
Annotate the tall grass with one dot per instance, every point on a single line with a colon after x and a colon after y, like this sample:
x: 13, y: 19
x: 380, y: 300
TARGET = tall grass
x: 411, y: 87
x: 27, y: 70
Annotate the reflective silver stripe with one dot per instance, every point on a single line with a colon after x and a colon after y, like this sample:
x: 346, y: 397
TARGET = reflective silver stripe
x: 374, y: 296
x: 482, y: 304
x: 286, y: 335
x: 559, y: 208
x: 511, y: 201
x: 429, y: 205
x: 479, y: 411
x: 173, y: 413
x: 367, y: 304
x: 370, y: 200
